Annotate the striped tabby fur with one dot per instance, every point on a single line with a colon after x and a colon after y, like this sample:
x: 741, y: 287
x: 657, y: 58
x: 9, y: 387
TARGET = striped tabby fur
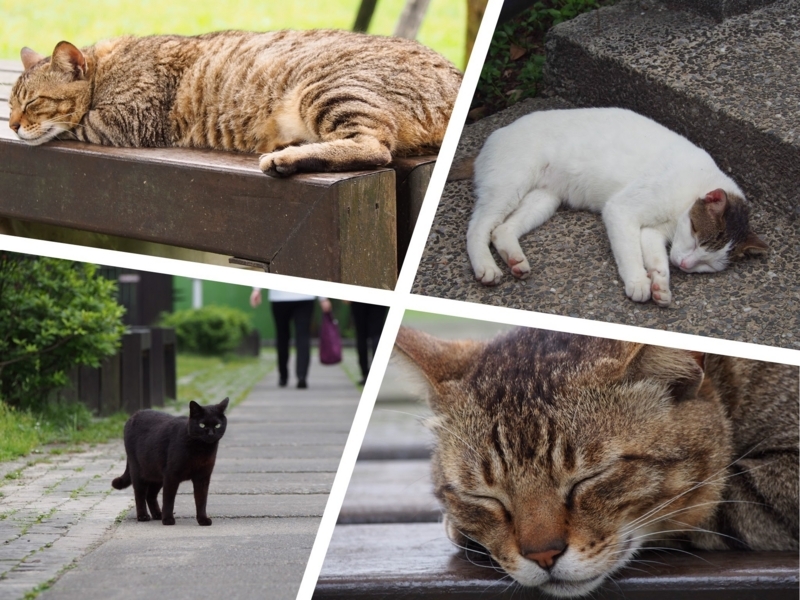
x: 562, y: 455
x: 318, y: 100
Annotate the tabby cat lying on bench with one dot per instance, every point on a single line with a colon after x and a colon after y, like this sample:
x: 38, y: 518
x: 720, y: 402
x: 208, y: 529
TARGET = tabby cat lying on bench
x: 318, y: 100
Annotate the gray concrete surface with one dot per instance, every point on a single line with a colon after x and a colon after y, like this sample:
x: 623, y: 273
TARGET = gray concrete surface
x: 730, y: 87
x: 274, y: 470
x: 574, y: 273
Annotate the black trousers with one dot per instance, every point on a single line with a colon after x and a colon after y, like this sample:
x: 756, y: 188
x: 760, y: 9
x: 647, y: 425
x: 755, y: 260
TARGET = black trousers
x: 299, y: 311
x: 368, y: 320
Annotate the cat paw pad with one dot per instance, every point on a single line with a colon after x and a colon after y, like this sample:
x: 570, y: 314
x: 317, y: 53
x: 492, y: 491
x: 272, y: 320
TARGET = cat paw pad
x: 659, y: 289
x: 168, y: 521
x: 520, y: 269
x: 205, y: 521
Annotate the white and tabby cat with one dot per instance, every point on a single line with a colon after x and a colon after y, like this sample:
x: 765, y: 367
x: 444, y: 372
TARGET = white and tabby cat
x: 652, y: 186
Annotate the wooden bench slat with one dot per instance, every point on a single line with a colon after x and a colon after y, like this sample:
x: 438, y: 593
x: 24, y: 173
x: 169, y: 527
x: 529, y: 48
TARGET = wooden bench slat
x: 395, y: 431
x: 390, y: 491
x: 417, y: 560
x: 9, y: 64
x: 330, y: 226
x: 7, y: 78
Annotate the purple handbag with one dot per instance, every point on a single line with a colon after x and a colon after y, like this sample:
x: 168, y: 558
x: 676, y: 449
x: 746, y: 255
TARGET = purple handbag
x: 330, y: 342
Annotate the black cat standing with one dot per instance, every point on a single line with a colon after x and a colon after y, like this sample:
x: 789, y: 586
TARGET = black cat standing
x: 164, y: 451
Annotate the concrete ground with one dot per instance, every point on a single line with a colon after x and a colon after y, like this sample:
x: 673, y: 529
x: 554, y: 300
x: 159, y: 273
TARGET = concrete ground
x: 274, y: 470
x: 754, y: 300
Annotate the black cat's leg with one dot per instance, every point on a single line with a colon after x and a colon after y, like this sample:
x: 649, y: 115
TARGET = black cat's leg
x: 152, y: 500
x: 168, y: 500
x: 140, y: 495
x: 200, y: 498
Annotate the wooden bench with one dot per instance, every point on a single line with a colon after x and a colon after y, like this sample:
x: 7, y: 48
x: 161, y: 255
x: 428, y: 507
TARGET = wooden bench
x: 389, y: 542
x: 347, y: 227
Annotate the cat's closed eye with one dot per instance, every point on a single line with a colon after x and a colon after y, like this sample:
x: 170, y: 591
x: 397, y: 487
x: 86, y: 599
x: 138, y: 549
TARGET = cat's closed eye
x: 570, y: 500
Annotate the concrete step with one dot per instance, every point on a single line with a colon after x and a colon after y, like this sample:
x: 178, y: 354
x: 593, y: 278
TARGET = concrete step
x: 731, y: 87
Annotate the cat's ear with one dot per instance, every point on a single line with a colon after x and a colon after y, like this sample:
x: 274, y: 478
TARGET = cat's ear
x: 68, y: 59
x: 716, y: 202
x: 223, y: 405
x: 753, y: 246
x: 195, y: 410
x: 438, y: 360
x: 681, y: 370
x: 29, y: 57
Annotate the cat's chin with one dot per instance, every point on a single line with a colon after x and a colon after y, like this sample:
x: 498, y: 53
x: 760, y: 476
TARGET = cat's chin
x: 49, y: 134
x: 562, y: 588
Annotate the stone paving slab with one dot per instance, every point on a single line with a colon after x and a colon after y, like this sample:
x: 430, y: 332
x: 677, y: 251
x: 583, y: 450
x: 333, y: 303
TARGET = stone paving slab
x: 574, y: 273
x: 234, y: 558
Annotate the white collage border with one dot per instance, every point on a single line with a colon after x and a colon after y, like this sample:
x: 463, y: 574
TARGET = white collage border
x: 399, y: 300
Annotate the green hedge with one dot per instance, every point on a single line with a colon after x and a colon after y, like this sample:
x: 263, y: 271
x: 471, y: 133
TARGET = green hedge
x: 54, y: 315
x: 209, y: 330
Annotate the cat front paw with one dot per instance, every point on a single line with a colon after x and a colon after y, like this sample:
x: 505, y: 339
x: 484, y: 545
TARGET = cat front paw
x: 144, y: 517
x: 277, y: 164
x: 488, y: 274
x: 205, y: 521
x: 659, y: 289
x: 156, y: 516
x: 168, y: 520
x: 638, y: 289
x: 521, y: 269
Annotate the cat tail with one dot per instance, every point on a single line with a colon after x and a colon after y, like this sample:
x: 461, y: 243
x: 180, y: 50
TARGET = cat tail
x: 123, y: 481
x: 463, y: 168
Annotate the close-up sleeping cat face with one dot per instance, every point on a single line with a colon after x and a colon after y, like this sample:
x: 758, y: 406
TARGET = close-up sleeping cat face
x: 52, y: 96
x: 562, y: 455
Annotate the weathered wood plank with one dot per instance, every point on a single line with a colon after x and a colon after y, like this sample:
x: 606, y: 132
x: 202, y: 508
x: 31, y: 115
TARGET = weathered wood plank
x: 8, y: 77
x: 395, y: 432
x: 8, y: 64
x: 390, y: 491
x: 311, y: 225
x: 417, y: 560
x: 413, y: 176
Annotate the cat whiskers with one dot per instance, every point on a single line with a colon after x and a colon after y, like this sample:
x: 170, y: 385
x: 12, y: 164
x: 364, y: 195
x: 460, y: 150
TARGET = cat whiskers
x: 635, y: 524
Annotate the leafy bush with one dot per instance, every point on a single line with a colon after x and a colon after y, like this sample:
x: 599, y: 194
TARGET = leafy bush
x: 209, y: 330
x: 513, y: 67
x: 54, y: 315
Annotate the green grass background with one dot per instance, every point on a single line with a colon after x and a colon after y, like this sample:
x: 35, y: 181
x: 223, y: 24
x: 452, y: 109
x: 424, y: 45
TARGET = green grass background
x: 41, y: 25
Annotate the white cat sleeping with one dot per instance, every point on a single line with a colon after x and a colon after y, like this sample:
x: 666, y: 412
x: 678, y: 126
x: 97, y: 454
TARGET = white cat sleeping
x: 652, y: 187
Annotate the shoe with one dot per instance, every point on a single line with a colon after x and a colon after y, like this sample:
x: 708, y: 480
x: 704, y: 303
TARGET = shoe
x: 302, y: 385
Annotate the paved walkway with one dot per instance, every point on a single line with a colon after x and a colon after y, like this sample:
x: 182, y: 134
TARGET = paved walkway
x: 274, y: 470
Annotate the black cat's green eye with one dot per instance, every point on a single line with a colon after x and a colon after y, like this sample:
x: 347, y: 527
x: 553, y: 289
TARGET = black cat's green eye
x: 217, y: 426
x: 202, y: 425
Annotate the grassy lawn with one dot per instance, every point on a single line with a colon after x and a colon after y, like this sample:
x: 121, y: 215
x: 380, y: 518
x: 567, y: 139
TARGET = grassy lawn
x: 205, y: 379
x: 42, y: 25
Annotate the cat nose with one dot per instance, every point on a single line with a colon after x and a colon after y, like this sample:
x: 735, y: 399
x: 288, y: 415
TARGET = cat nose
x: 14, y: 125
x: 547, y: 556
